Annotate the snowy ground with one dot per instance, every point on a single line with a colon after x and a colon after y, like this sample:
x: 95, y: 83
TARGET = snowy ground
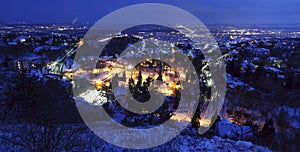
x: 193, y: 143
x: 186, y: 141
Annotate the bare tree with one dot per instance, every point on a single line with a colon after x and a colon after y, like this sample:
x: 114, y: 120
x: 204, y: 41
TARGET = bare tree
x: 44, y: 138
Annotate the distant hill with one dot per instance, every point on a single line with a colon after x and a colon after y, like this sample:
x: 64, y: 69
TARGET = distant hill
x: 148, y: 28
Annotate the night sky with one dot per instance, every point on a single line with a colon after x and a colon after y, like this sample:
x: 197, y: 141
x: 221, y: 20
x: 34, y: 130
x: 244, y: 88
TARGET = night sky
x: 208, y: 11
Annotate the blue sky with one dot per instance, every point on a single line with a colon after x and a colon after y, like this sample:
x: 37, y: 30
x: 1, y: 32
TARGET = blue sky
x: 208, y: 11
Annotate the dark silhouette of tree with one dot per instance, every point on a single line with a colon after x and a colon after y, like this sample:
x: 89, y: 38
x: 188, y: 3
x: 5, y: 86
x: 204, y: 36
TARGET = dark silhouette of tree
x: 6, y: 61
x: 268, y: 128
x: 40, y: 102
x: 160, y: 76
x: 149, y: 80
x: 140, y: 79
